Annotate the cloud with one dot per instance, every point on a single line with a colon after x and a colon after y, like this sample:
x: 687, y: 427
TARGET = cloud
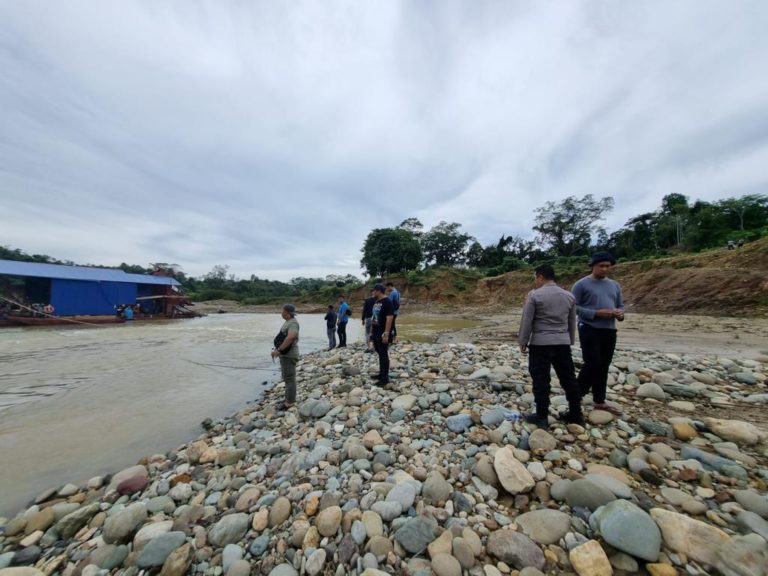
x: 273, y: 137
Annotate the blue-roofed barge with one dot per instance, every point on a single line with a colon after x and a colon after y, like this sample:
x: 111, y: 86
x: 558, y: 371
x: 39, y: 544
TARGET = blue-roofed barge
x: 34, y: 293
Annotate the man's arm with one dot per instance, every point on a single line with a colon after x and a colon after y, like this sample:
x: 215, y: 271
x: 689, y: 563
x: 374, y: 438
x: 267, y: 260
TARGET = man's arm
x: 579, y: 293
x: 572, y: 324
x: 526, y: 322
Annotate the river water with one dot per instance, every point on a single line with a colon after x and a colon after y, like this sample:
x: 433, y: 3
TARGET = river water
x: 84, y: 401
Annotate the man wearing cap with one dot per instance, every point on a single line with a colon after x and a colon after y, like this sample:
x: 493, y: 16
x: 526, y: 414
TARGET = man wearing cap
x: 598, y: 305
x: 381, y: 328
x: 287, y: 349
x: 547, y: 332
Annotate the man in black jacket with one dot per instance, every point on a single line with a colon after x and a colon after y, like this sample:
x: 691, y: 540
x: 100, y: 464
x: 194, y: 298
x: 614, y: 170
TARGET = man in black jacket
x: 330, y: 324
x: 381, y: 329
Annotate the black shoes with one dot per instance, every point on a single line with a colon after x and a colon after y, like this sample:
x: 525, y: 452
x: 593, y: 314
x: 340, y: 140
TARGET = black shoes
x: 538, y: 421
x: 571, y: 417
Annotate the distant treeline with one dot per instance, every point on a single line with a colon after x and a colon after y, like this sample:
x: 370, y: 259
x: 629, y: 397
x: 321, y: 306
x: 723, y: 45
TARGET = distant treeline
x: 564, y: 234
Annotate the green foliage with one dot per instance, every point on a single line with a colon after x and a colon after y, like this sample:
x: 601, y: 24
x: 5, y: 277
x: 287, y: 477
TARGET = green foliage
x: 390, y: 250
x: 568, y: 226
x: 445, y: 245
x: 460, y: 284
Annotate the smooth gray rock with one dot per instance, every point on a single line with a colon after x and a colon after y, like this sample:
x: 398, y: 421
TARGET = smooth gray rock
x: 628, y: 528
x: 109, y: 556
x: 750, y: 522
x: 283, y: 570
x: 459, y: 423
x: 515, y: 549
x: 586, y: 494
x: 228, y: 530
x: 752, y: 501
x: 121, y: 526
x: 416, y: 534
x: 158, y: 549
x: 405, y: 494
x: 70, y: 524
x: 544, y: 526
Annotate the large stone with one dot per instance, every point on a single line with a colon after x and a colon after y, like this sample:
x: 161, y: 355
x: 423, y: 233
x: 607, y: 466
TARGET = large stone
x: 446, y: 565
x: 459, y: 423
x: 158, y: 549
x: 542, y: 441
x: 280, y: 511
x: 315, y: 562
x: 544, y: 526
x: 150, y: 531
x: 736, y: 431
x: 513, y: 475
x: 619, y: 489
x: 404, y: 493
x: 329, y: 520
x: 590, y: 559
x: 651, y: 390
x: 416, y: 534
x: 109, y: 556
x: 314, y: 408
x: 404, y: 402
x: 586, y: 494
x: 72, y: 522
x: 628, y: 528
x: 743, y: 556
x: 178, y: 562
x: 121, y: 526
x: 694, y: 538
x: 228, y: 530
x: 436, y: 488
x: 133, y: 471
x: 752, y: 501
x: 283, y: 570
x: 515, y: 549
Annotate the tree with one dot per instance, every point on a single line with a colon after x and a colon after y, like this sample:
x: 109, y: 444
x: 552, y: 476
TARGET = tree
x: 445, y: 245
x: 568, y: 226
x: 751, y: 209
x: 413, y: 225
x: 390, y: 250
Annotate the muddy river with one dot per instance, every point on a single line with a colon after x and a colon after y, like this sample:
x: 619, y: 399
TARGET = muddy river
x: 79, y: 402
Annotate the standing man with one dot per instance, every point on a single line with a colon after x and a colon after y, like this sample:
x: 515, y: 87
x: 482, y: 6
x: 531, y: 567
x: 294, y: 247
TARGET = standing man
x: 341, y: 322
x: 367, y: 320
x: 330, y: 325
x: 394, y: 295
x: 381, y: 327
x: 287, y: 349
x: 598, y: 305
x: 547, y: 332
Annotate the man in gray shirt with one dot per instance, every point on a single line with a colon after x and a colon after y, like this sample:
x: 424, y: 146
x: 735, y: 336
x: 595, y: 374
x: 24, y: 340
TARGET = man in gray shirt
x: 599, y: 305
x: 547, y: 332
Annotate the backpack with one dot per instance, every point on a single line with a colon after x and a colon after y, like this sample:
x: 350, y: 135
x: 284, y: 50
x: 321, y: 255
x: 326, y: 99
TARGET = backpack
x: 349, y: 312
x: 279, y: 339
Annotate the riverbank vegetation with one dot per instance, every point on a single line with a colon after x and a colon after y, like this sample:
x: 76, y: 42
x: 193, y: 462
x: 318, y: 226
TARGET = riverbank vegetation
x: 563, y: 235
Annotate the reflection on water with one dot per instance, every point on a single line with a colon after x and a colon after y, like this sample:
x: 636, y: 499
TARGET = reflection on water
x: 77, y: 402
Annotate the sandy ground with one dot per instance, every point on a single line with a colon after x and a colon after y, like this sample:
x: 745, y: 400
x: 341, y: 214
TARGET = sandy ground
x: 678, y: 334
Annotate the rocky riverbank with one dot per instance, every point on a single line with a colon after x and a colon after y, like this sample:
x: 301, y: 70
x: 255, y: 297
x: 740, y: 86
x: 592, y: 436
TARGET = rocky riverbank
x: 435, y: 475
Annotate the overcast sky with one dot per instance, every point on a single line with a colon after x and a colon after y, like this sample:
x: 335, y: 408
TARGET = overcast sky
x: 272, y: 137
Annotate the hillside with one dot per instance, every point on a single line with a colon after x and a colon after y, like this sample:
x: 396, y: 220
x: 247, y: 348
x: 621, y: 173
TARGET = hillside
x: 717, y: 282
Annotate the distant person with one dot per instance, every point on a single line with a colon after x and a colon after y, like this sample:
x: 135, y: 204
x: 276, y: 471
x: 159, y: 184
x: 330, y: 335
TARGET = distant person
x: 128, y: 312
x: 394, y: 295
x: 547, y: 332
x: 598, y: 305
x: 330, y: 324
x: 731, y: 245
x: 741, y: 243
x: 381, y: 327
x: 287, y: 349
x: 367, y: 319
x: 341, y: 321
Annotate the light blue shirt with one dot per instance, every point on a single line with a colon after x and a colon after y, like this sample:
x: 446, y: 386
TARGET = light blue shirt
x: 591, y: 295
x: 343, y: 312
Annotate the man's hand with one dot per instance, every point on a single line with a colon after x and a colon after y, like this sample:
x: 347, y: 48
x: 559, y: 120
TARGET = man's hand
x: 605, y: 313
x: 618, y: 313
x: 275, y: 353
x: 523, y: 349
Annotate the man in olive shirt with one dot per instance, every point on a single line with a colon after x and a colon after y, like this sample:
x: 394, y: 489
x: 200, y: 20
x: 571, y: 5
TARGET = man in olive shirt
x: 288, y: 352
x: 547, y: 332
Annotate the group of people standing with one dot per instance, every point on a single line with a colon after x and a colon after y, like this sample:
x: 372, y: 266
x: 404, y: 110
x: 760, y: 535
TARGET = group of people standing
x: 550, y: 320
x: 380, y: 312
x: 548, y: 330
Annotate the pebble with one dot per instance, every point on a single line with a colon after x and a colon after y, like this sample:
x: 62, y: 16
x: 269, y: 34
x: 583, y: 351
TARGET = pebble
x: 436, y: 474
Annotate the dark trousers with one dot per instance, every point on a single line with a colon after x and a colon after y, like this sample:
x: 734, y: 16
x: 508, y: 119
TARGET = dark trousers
x: 540, y: 360
x: 382, y: 349
x: 597, y: 346
x: 342, y: 330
